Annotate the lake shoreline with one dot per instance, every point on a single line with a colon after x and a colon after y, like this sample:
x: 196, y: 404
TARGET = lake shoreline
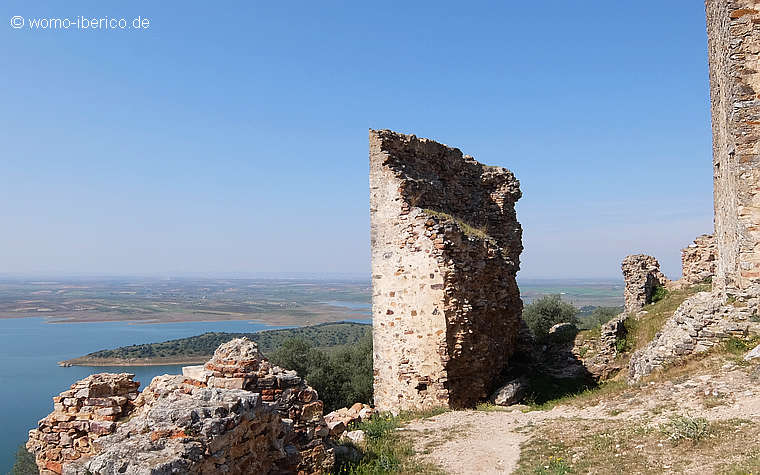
x: 134, y: 362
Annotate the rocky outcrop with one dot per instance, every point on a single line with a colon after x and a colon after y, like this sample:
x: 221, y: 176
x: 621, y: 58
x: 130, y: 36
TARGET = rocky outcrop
x: 445, y: 252
x: 511, y: 393
x: 82, y: 414
x: 698, y: 260
x: 238, y: 414
x: 700, y: 322
x: 642, y: 276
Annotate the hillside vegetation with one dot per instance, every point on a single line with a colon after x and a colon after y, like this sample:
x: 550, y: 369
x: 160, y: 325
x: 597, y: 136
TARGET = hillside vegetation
x: 201, y: 347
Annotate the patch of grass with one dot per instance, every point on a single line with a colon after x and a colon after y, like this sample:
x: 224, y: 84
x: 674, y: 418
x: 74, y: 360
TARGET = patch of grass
x: 749, y: 465
x: 714, y: 401
x: 737, y: 346
x: 488, y: 407
x: 641, y: 330
x: 637, y: 446
x: 541, y: 455
x: 385, y: 451
x: 681, y: 428
x: 590, y: 334
x: 407, y: 416
x: 548, y: 392
x: 659, y: 293
x: 555, y: 466
x: 468, y: 229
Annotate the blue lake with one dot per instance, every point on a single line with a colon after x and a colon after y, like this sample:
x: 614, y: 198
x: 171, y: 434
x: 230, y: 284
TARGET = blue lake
x: 30, y: 377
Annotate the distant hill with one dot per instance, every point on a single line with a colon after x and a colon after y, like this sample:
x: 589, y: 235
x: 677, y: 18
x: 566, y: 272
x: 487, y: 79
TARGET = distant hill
x: 197, y: 349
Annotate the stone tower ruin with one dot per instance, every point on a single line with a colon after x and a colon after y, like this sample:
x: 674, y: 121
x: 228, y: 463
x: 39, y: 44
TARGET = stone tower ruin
x: 734, y: 56
x: 446, y: 246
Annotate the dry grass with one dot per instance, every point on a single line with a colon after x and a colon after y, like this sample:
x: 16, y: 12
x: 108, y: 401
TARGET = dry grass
x: 641, y: 330
x: 467, y: 229
x: 620, y: 446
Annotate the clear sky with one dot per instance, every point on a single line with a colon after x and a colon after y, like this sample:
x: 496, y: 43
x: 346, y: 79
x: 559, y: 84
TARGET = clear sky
x: 231, y: 137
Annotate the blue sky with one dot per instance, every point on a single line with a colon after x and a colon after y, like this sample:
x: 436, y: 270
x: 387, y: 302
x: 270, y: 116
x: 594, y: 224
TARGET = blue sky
x: 231, y: 137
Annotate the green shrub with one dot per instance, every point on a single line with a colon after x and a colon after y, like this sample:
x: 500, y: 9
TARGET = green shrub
x: 24, y: 464
x: 342, y: 376
x: 599, y: 316
x: 546, y: 312
x: 385, y: 451
x: 687, y: 428
x: 658, y: 294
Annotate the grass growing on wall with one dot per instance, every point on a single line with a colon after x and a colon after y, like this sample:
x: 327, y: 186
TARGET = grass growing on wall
x: 467, y: 229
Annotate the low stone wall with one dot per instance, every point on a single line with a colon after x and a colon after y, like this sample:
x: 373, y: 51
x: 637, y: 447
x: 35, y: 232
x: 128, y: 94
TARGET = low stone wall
x: 701, y: 322
x: 237, y: 415
x: 599, y: 357
x: 642, y: 276
x: 698, y: 260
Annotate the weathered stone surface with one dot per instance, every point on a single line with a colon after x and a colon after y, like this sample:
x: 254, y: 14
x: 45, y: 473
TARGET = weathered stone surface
x: 752, y: 354
x: 600, y: 356
x: 733, y: 43
x: 238, y: 364
x: 341, y: 419
x: 198, y: 373
x: 511, y: 393
x: 355, y: 436
x: 82, y: 414
x: 698, y: 260
x: 181, y: 428
x: 180, y: 424
x: 642, y: 276
x: 445, y: 250
x: 701, y: 322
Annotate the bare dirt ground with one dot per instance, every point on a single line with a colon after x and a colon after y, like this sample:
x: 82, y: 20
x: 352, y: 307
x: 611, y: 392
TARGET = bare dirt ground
x: 624, y: 430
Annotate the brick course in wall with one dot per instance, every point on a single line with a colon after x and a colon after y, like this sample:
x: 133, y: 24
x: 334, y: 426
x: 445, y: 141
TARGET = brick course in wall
x: 445, y: 252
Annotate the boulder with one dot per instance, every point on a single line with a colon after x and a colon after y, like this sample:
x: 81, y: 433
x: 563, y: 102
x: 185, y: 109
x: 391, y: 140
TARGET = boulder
x: 753, y: 353
x: 511, y: 393
x: 355, y: 436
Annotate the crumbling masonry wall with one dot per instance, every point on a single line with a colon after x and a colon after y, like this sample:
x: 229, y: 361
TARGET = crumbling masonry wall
x: 238, y: 414
x: 445, y: 251
x: 734, y: 57
x: 642, y: 276
x: 698, y: 260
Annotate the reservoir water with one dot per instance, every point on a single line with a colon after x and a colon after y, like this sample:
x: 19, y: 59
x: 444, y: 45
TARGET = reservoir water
x: 30, y: 377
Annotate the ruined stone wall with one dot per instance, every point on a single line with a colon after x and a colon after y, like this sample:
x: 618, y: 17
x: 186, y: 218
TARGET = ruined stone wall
x: 698, y: 260
x: 642, y: 276
x: 235, y: 415
x: 734, y: 56
x: 445, y: 252
x: 81, y: 415
x: 700, y: 322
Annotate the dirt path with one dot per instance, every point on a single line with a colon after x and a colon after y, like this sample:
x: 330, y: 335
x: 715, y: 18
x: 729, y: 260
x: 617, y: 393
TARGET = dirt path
x: 471, y: 441
x: 488, y: 442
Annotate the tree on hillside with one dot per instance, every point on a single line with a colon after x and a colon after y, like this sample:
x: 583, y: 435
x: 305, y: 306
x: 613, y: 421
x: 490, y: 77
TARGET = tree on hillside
x: 24, y: 464
x: 546, y: 312
x: 342, y: 376
x: 602, y: 315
